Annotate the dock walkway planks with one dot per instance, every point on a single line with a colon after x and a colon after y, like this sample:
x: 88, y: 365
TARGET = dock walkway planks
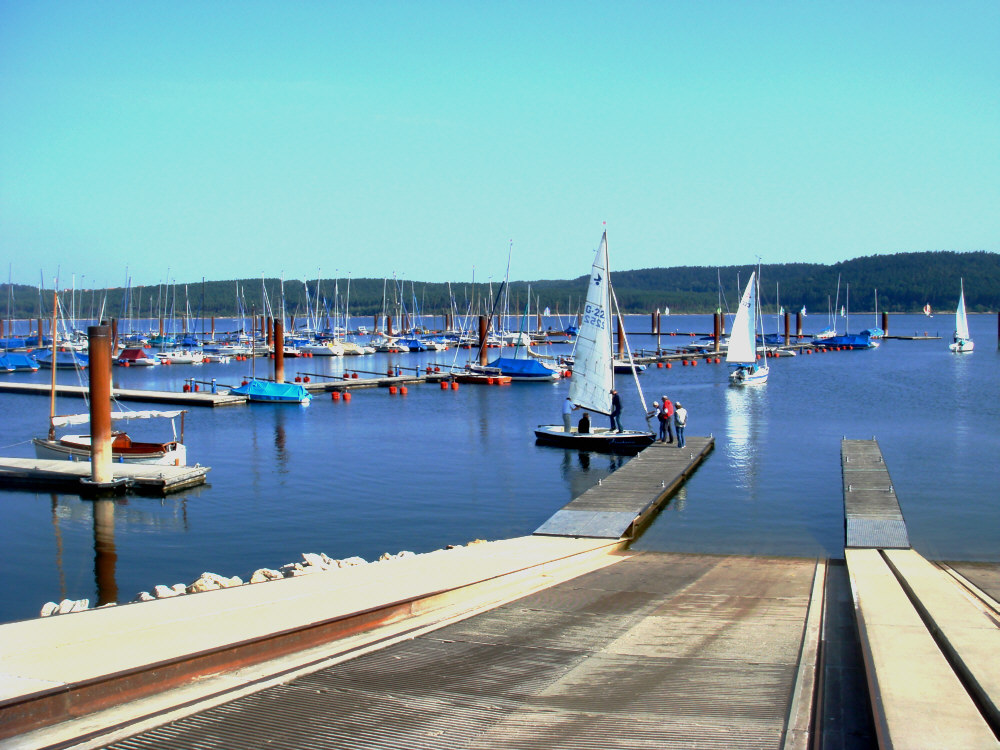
x: 930, y: 647
x: 202, y: 398
x: 149, y: 478
x: 626, y: 499
x: 871, y: 510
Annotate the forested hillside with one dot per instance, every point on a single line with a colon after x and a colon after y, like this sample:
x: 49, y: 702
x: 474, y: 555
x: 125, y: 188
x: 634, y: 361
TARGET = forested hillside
x: 905, y: 283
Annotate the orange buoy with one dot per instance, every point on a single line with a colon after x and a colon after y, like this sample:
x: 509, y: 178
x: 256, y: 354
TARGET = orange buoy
x: 195, y: 387
x: 392, y: 390
x: 187, y: 388
x: 346, y: 376
x: 454, y: 385
x: 489, y: 381
x: 243, y: 383
x: 444, y: 385
x: 335, y: 395
x: 126, y: 363
x: 437, y: 369
x: 402, y: 390
x: 694, y: 363
x: 684, y: 362
x: 305, y: 379
x: 347, y: 397
x: 659, y: 365
x: 669, y: 365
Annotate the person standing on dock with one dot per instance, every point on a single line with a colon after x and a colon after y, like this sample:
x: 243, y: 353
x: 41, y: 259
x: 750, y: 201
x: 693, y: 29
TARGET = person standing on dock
x: 616, y: 411
x: 680, y: 420
x: 666, y: 426
x: 568, y: 408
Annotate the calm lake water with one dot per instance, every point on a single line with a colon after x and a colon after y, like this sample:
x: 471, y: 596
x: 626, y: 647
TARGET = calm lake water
x: 417, y: 472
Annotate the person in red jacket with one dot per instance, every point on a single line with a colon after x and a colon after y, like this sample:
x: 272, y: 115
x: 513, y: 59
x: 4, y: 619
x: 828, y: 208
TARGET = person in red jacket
x: 666, y: 421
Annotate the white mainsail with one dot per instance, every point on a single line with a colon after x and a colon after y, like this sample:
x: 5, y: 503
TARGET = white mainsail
x: 593, y: 375
x: 961, y: 322
x: 743, y: 339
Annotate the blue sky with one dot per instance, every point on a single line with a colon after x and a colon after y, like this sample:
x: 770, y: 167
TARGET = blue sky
x: 232, y: 139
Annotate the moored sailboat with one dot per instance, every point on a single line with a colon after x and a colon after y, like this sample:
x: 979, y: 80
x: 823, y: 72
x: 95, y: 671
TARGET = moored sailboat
x: 593, y: 376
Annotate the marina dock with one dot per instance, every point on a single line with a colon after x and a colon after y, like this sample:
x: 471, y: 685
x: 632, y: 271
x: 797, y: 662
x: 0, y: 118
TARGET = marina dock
x: 68, y: 475
x: 201, y: 398
x: 562, y: 639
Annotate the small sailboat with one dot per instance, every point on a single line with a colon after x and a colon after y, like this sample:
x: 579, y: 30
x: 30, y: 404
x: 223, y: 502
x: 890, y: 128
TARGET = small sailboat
x: 593, y: 372
x: 123, y: 448
x: 742, y: 352
x: 961, y: 342
x: 927, y: 310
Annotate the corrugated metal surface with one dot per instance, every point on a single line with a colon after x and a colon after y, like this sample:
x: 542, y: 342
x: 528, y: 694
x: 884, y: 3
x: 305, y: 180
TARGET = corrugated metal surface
x: 878, y: 533
x: 657, y: 651
x: 589, y: 523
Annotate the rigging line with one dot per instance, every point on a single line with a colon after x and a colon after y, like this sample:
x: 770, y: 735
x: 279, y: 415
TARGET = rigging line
x: 628, y: 350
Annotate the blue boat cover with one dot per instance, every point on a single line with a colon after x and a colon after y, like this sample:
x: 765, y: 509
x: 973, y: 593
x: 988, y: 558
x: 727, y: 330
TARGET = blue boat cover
x: 265, y: 390
x: 17, y: 361
x: 522, y: 368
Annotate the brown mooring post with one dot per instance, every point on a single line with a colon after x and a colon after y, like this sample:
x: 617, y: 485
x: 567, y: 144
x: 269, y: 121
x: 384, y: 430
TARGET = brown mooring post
x: 114, y: 336
x: 483, y: 328
x: 375, y: 323
x: 269, y: 340
x: 40, y: 342
x: 213, y: 328
x: 388, y: 325
x: 885, y: 323
x: 99, y: 342
x: 798, y: 324
x: 161, y: 326
x: 279, y: 353
x: 788, y: 328
x: 621, y: 338
x: 659, y: 323
x: 716, y: 331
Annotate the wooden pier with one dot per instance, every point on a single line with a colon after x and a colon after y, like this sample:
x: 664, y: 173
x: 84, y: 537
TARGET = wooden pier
x: 68, y: 475
x: 625, y: 501
x: 201, y: 398
x: 930, y: 644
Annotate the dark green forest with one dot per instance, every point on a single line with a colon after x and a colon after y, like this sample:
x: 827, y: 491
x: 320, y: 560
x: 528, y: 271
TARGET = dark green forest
x: 905, y: 283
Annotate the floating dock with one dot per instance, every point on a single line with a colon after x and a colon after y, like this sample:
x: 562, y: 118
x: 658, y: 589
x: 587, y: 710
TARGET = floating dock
x: 68, y: 475
x: 202, y: 398
x: 931, y: 646
x: 625, y: 501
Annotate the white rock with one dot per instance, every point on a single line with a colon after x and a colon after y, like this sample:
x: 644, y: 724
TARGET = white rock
x: 164, y: 592
x: 80, y: 604
x: 65, y: 606
x: 179, y: 588
x: 385, y: 556
x: 330, y: 562
x: 405, y: 553
x: 314, y: 560
x: 48, y: 609
x: 228, y: 583
x: 144, y: 596
x: 351, y: 562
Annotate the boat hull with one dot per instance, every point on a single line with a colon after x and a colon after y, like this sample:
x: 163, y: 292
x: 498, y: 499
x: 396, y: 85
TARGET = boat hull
x: 77, y: 448
x: 743, y: 376
x: 599, y: 439
x: 961, y: 346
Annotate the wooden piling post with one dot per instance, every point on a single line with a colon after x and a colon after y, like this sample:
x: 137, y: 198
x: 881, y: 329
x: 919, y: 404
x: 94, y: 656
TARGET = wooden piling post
x: 716, y: 332
x: 621, y: 338
x: 885, y: 323
x: 279, y: 352
x: 99, y: 342
x: 40, y: 342
x: 798, y: 324
x: 483, y: 328
x: 788, y: 328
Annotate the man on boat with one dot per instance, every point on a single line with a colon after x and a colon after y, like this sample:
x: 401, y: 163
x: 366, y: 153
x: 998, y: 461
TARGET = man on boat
x: 568, y: 408
x: 616, y: 411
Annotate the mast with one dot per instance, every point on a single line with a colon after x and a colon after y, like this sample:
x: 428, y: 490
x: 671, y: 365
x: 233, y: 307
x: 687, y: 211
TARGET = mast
x: 52, y: 391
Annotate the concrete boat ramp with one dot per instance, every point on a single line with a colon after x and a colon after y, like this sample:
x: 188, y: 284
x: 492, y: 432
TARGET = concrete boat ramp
x: 545, y: 641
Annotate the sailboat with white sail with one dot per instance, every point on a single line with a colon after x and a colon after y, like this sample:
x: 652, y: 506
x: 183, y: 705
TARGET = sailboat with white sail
x: 742, y: 352
x: 961, y: 342
x: 593, y: 377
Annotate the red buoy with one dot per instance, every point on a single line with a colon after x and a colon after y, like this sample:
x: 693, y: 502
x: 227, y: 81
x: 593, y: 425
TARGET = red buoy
x: 669, y: 365
x: 347, y: 397
x: 392, y: 390
x: 444, y: 385
x: 454, y: 385
x: 335, y: 395
x: 402, y: 390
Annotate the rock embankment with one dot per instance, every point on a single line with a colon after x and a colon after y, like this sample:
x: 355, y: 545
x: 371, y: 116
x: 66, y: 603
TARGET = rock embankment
x: 310, y: 564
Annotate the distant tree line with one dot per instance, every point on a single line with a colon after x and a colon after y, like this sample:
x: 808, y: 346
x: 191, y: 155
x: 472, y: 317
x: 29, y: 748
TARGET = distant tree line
x: 905, y: 282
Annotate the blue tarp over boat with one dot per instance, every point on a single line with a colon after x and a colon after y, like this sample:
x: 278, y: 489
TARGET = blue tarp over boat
x: 524, y: 369
x: 266, y: 391
x: 16, y: 361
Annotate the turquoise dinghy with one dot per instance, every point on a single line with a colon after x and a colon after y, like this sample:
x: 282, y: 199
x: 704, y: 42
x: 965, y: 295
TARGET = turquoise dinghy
x: 265, y: 391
